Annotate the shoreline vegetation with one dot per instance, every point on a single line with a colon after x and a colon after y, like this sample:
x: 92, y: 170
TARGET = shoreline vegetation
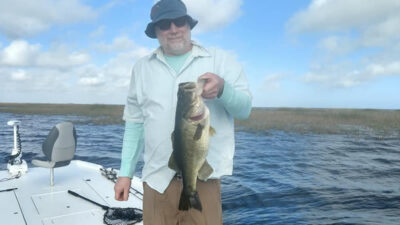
x: 299, y: 120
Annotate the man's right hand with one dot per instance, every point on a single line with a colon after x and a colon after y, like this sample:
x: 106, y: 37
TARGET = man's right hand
x: 121, y: 188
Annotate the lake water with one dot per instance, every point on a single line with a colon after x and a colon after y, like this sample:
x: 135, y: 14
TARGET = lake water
x: 279, y: 177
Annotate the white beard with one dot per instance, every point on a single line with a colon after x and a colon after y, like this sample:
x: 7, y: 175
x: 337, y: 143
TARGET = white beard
x: 176, y: 48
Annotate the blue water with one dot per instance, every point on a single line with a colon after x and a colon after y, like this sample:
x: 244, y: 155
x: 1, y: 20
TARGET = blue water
x: 279, y: 177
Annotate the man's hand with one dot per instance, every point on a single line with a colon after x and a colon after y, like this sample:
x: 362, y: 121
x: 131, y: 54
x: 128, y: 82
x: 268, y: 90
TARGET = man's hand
x: 213, y: 85
x: 121, y: 188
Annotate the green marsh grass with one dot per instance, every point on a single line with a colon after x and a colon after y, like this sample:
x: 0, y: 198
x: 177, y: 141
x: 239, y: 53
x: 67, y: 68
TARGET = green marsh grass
x: 300, y: 120
x: 324, y: 121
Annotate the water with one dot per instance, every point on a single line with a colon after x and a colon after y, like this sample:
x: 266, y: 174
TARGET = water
x: 279, y: 177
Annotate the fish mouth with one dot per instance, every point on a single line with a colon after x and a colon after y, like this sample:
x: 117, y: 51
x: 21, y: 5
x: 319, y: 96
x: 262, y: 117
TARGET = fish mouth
x: 188, y: 86
x: 198, y: 115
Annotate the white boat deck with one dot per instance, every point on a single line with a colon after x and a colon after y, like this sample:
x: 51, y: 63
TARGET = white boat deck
x: 35, y: 202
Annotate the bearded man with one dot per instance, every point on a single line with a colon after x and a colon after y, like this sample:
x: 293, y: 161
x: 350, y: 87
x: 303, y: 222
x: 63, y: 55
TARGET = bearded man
x: 150, y: 112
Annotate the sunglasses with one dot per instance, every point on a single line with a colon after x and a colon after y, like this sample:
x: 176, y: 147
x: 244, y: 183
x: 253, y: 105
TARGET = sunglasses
x: 166, y: 24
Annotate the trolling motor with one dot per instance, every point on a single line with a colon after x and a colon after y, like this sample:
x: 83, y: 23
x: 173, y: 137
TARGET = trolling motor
x: 15, y: 165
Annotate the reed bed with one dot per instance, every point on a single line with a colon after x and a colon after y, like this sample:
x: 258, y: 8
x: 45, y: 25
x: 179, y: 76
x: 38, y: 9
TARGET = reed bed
x: 326, y: 121
x: 301, y: 120
x: 97, y: 113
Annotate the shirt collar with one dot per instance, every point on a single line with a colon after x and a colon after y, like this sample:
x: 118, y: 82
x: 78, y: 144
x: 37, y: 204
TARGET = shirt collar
x: 197, y: 51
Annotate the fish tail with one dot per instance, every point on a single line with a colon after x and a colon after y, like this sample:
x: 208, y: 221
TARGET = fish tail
x: 190, y: 201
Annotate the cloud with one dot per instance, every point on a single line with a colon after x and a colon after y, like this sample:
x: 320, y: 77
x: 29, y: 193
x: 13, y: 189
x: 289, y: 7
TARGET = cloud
x: 365, y: 23
x: 19, y: 75
x: 121, y: 43
x: 91, y: 81
x: 115, y: 73
x: 346, y: 80
x: 31, y: 80
x: 358, y: 42
x: 20, y: 18
x: 61, y: 58
x: 339, y: 15
x: 347, y: 75
x: 213, y: 14
x: 117, y: 70
x: 272, y: 82
x: 31, y: 70
x: 21, y: 53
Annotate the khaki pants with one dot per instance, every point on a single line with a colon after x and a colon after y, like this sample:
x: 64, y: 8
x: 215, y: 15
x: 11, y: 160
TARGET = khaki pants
x: 162, y: 209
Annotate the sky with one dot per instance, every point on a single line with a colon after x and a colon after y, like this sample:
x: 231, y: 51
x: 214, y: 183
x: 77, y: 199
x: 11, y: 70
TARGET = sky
x: 312, y: 54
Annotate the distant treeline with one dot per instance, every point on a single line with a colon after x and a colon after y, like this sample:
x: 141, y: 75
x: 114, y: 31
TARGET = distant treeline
x: 302, y: 120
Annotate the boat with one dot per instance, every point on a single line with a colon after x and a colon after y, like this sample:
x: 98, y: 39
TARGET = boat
x: 41, y: 195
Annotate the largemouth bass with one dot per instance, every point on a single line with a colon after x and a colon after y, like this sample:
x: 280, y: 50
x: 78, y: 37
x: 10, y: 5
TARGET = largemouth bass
x: 190, y: 140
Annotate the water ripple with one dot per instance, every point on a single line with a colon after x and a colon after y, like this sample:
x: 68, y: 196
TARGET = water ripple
x: 278, y: 177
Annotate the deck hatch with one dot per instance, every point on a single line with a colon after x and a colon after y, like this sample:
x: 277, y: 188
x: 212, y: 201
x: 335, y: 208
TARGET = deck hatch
x: 61, y: 204
x: 10, y: 213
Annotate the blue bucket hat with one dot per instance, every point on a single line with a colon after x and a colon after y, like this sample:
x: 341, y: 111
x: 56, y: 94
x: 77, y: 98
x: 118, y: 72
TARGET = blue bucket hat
x: 167, y: 9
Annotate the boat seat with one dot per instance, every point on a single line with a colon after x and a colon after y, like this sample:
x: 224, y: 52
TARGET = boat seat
x: 58, y: 148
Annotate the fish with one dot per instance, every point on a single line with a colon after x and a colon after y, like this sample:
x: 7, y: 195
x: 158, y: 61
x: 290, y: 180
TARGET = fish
x: 190, y: 142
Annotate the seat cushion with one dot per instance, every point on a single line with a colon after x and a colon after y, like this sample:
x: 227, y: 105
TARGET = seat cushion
x: 49, y: 164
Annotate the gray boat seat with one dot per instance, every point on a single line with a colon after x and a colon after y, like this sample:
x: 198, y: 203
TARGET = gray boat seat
x: 58, y: 148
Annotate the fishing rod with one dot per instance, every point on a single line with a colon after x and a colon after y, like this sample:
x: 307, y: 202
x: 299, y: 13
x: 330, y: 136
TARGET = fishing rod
x: 10, y: 189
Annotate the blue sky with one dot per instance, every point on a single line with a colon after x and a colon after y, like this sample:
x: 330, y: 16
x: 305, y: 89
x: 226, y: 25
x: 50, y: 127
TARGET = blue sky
x: 319, y: 54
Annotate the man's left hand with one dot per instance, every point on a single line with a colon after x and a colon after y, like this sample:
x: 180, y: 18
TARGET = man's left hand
x: 213, y: 86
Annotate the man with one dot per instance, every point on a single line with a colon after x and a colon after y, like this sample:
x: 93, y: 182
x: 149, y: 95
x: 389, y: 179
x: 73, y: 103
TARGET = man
x: 150, y: 111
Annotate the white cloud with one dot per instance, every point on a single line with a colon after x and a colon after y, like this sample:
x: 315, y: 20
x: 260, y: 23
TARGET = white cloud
x: 121, y: 43
x: 60, y: 58
x: 347, y: 75
x: 272, y: 82
x: 73, y: 72
x: 339, y: 15
x: 31, y: 80
x: 362, y: 33
x: 385, y: 68
x: 19, y: 75
x: 91, y: 81
x: 117, y: 70
x: 21, y: 53
x: 373, y: 23
x: 347, y: 80
x: 338, y: 45
x: 383, y: 33
x: 21, y: 18
x: 213, y: 14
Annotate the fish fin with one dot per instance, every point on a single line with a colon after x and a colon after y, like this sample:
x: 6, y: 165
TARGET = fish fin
x: 198, y: 133
x: 212, y: 131
x: 172, y: 164
x: 172, y: 138
x: 190, y: 201
x: 205, y: 171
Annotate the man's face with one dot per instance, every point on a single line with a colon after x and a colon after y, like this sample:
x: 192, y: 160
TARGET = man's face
x: 174, y: 39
